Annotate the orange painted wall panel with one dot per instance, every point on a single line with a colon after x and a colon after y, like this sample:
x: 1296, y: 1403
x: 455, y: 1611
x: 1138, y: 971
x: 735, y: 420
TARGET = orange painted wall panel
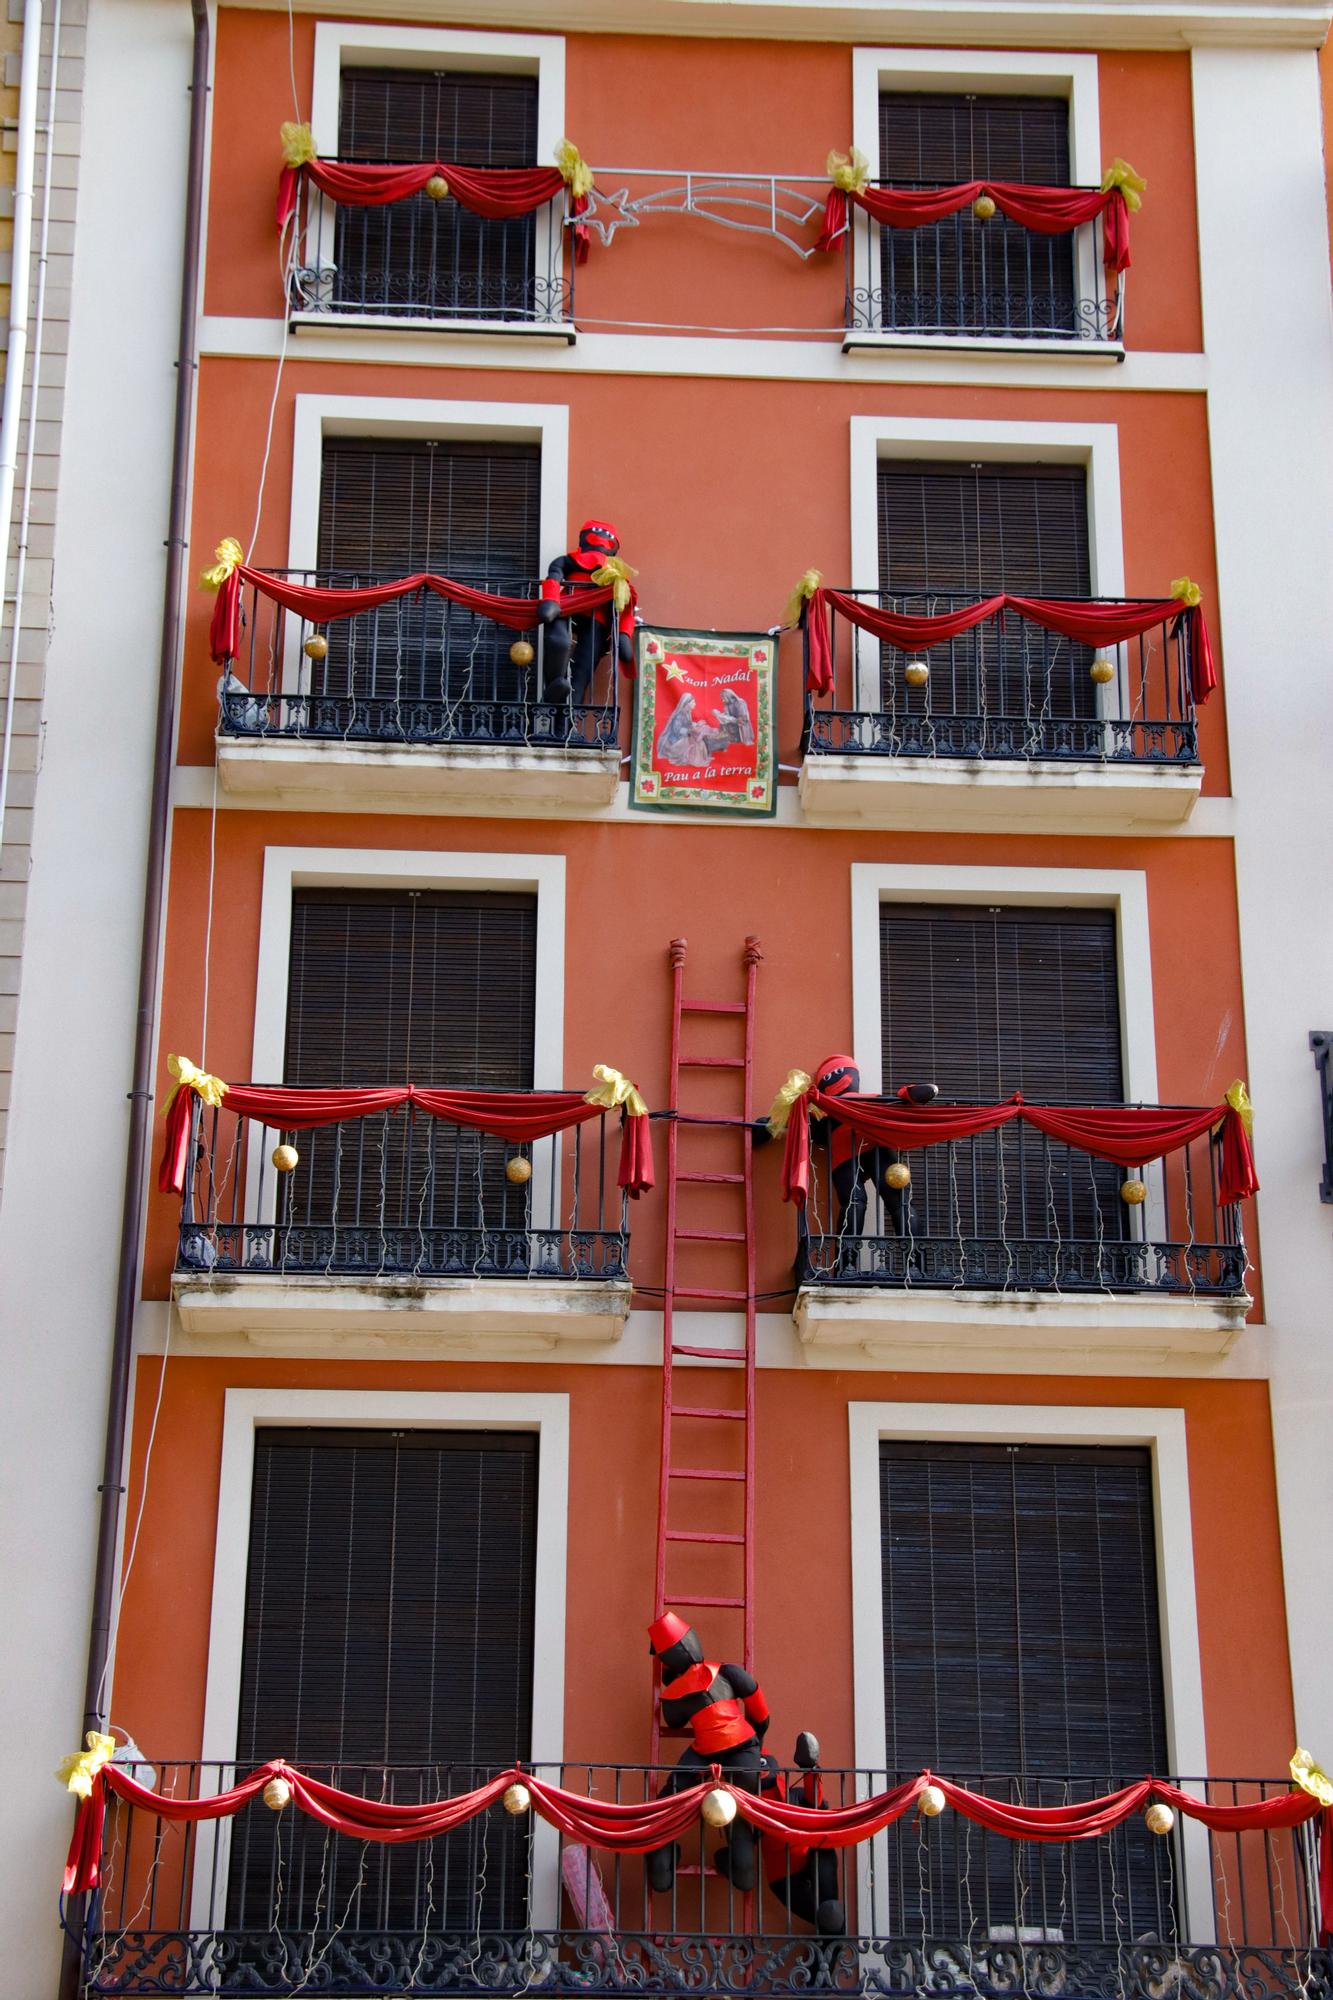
x: 803, y: 1556
x: 671, y: 103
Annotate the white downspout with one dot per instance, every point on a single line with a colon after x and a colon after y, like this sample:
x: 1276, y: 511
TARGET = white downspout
x: 17, y: 356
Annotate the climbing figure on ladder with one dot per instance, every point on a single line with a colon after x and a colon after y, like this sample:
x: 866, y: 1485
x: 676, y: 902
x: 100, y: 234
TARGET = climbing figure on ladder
x: 724, y: 1709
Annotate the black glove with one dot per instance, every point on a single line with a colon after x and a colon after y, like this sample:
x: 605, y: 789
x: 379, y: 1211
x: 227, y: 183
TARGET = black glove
x: 807, y: 1751
x: 548, y: 610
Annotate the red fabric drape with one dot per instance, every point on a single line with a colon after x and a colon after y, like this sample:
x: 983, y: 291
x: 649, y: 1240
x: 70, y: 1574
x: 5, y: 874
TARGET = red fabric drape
x: 517, y: 1116
x: 1048, y: 211
x: 1092, y: 621
x: 636, y: 1828
x: 498, y: 193
x: 1129, y: 1135
x: 325, y: 607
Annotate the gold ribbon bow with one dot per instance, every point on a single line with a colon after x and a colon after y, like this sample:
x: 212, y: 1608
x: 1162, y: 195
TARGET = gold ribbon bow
x: 1310, y: 1778
x: 805, y: 589
x: 77, y: 1772
x: 797, y: 1083
x: 1187, y: 592
x: 298, y: 144
x: 616, y: 574
x: 574, y: 170
x: 613, y: 1088
x: 188, y: 1077
x: 1238, y: 1097
x: 1131, y: 185
x: 227, y: 555
x: 848, y: 171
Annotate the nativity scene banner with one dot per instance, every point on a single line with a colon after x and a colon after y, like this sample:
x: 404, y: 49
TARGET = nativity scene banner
x: 703, y: 723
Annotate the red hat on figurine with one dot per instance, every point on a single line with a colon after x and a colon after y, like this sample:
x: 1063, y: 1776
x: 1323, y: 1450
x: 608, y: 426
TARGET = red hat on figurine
x: 597, y: 541
x: 666, y: 1631
x: 837, y: 1075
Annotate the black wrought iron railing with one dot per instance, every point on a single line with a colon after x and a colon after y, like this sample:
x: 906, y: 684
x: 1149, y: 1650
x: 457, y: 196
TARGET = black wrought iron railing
x: 420, y: 259
x: 1012, y: 1210
x: 274, y: 1903
x: 984, y: 279
x: 416, y: 671
x: 1005, y: 690
x: 396, y: 1194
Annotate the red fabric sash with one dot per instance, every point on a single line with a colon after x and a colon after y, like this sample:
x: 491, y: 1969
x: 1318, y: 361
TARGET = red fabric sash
x: 322, y: 607
x: 1048, y: 211
x: 1129, y: 1135
x: 1089, y: 620
x: 517, y: 1116
x: 498, y: 193
x: 636, y: 1828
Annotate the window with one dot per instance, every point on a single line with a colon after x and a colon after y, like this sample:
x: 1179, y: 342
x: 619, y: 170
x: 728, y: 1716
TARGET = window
x: 983, y: 1002
x: 389, y: 1617
x: 424, y: 257
x: 963, y: 275
x: 407, y: 986
x: 390, y: 507
x: 1022, y: 1640
x: 951, y: 531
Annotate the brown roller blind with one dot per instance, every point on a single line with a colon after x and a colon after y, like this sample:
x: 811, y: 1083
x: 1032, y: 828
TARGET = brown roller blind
x: 471, y: 118
x: 983, y: 528
x: 391, y: 506
x: 928, y: 136
x: 388, y: 1621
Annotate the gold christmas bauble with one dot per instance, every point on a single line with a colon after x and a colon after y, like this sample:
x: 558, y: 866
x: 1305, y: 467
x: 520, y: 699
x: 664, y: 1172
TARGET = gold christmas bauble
x: 518, y: 1170
x: 983, y: 208
x: 437, y: 187
x: 1159, y: 1818
x: 277, y: 1794
x: 521, y: 653
x: 518, y: 1800
x: 316, y: 647
x: 931, y: 1802
x: 898, y: 1175
x: 285, y: 1158
x: 1133, y: 1192
x: 718, y: 1808
x: 916, y: 673
x: 1102, y: 670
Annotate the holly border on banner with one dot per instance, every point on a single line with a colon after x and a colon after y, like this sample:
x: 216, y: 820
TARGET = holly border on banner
x: 644, y: 731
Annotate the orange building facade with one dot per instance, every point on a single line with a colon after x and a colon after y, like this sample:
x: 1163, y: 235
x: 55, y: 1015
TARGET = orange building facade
x: 1012, y: 1472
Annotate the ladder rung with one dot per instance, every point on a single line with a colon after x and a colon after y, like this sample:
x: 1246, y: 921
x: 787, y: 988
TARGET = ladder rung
x: 708, y: 1292
x: 703, y: 1410
x: 710, y: 1353
x: 725, y: 1603
x: 698, y: 1535
x: 712, y: 1006
x: 710, y: 1236
x: 712, y: 1062
x: 702, y: 1472
x: 717, y: 1180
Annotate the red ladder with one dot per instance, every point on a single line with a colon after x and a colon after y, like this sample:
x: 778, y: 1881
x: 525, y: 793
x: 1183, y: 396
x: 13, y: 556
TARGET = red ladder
x: 702, y: 1421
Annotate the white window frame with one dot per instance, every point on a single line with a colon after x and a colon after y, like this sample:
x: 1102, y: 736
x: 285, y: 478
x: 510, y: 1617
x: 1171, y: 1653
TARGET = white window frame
x: 343, y: 45
x: 1163, y: 1432
x: 289, y: 868
x: 986, y: 73
x: 319, y: 417
x: 1096, y: 447
x: 248, y: 1410
x: 1123, y: 890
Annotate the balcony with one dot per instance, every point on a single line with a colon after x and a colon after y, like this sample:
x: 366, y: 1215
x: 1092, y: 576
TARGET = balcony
x: 274, y: 1903
x: 968, y: 283
x: 403, y: 1229
x: 430, y: 265
x: 1008, y: 729
x: 415, y: 705
x: 1011, y: 1242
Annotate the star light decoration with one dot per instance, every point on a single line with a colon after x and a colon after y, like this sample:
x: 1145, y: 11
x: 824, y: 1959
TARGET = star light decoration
x: 759, y: 204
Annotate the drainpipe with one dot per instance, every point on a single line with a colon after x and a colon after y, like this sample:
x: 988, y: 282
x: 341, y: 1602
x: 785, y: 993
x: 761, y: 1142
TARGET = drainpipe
x: 140, y: 1095
x: 16, y: 358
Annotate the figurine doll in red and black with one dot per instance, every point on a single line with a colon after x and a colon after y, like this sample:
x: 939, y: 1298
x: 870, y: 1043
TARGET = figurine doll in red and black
x: 804, y: 1879
x: 724, y: 1709
x: 582, y: 637
x: 855, y: 1167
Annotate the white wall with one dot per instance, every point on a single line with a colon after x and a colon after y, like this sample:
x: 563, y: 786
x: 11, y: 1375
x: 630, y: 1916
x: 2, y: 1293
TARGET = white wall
x: 1267, y: 334
x: 60, y: 1219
